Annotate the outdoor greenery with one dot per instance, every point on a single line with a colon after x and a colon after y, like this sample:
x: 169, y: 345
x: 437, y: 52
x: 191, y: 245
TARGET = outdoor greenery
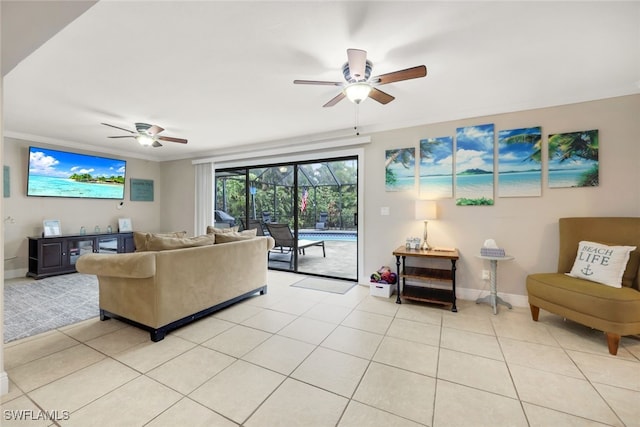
x: 330, y: 188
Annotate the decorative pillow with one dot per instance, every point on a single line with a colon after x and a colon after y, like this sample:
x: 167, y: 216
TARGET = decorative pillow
x: 233, y: 237
x: 601, y: 263
x: 213, y: 230
x: 159, y: 243
x: 140, y: 239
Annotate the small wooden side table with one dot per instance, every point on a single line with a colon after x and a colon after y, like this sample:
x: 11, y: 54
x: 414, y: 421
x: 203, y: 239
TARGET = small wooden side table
x: 493, y: 299
x: 425, y: 293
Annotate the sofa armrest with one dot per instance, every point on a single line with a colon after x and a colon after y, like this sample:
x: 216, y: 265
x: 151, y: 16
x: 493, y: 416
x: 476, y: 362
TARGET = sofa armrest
x: 137, y: 265
x: 270, y: 243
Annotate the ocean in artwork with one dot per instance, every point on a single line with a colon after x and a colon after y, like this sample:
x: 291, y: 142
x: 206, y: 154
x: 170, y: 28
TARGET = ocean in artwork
x: 436, y: 186
x: 400, y: 169
x: 436, y: 168
x: 520, y: 184
x: 474, y: 186
x: 474, y: 165
x: 560, y: 178
x: 519, y: 162
x: 63, y: 187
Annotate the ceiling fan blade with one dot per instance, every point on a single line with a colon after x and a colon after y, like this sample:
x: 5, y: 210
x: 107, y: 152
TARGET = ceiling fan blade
x: 380, y: 96
x: 117, y: 127
x: 335, y: 100
x: 171, y: 139
x: 357, y: 63
x: 154, y: 130
x: 123, y: 136
x: 396, y: 76
x: 316, y: 82
x: 156, y: 144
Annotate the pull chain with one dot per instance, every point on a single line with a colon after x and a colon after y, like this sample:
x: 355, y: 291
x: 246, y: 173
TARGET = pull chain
x: 356, y: 120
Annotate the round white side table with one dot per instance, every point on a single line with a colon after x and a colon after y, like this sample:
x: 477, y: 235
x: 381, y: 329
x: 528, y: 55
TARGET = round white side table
x: 493, y: 299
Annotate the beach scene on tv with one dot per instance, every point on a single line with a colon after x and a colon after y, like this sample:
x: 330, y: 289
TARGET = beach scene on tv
x: 62, y: 174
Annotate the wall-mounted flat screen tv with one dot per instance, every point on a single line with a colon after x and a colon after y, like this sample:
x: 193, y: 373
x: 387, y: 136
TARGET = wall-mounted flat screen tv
x: 55, y: 173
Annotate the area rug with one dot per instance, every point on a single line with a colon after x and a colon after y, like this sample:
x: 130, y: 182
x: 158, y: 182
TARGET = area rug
x: 35, y: 306
x: 326, y: 285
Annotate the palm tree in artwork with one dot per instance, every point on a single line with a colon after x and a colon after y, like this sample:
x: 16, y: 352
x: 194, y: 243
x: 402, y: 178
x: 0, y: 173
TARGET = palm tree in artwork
x: 577, y: 144
x: 527, y: 138
x: 583, y: 145
x: 404, y: 156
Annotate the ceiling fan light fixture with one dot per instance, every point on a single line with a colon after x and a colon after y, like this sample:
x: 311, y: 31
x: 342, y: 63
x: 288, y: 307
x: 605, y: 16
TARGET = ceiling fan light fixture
x: 145, y: 140
x: 357, y: 92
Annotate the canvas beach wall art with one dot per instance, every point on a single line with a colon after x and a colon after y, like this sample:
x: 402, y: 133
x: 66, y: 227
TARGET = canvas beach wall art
x: 474, y: 165
x: 436, y: 168
x: 520, y: 162
x: 400, y: 168
x: 573, y: 159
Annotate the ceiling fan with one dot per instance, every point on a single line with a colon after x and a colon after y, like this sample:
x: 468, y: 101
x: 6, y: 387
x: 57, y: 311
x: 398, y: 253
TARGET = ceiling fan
x: 359, y: 85
x: 147, y: 135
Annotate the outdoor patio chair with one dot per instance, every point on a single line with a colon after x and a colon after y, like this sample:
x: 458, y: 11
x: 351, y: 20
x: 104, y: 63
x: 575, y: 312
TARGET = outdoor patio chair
x: 322, y: 221
x: 286, y: 242
x: 254, y: 223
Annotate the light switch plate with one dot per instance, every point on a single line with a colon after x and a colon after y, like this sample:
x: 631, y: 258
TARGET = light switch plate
x: 384, y: 210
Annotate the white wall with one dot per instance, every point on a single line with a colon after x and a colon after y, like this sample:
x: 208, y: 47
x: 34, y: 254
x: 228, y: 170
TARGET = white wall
x: 525, y: 227
x: 29, y: 212
x: 178, y: 202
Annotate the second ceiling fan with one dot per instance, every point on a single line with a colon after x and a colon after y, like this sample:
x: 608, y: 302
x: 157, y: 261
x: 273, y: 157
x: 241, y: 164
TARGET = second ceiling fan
x: 359, y: 85
x: 147, y: 135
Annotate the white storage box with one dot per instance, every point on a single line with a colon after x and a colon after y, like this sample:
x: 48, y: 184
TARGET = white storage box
x: 381, y: 289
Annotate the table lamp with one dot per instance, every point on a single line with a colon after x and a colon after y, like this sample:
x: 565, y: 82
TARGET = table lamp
x: 426, y: 210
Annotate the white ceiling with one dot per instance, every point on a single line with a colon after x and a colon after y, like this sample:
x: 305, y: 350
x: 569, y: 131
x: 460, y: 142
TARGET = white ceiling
x: 220, y: 73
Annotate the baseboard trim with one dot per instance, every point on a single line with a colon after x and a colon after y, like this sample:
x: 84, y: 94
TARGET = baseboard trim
x: 14, y: 274
x: 473, y: 294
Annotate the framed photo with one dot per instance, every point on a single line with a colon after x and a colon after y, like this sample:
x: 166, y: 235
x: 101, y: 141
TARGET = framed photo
x: 51, y: 228
x: 124, y: 224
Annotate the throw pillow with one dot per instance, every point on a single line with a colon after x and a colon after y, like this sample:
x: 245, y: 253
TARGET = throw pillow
x: 140, y: 239
x: 601, y: 263
x: 213, y: 230
x: 233, y: 237
x: 159, y: 243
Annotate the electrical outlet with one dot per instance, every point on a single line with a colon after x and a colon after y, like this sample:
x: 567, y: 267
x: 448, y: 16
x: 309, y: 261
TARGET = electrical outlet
x: 486, y: 275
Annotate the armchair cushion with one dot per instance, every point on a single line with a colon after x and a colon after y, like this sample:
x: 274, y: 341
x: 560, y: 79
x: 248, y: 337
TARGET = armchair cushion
x: 601, y: 263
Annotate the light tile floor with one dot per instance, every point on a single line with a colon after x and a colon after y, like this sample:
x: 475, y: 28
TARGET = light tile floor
x: 298, y: 357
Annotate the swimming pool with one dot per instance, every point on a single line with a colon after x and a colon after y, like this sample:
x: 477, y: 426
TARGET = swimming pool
x: 342, y: 236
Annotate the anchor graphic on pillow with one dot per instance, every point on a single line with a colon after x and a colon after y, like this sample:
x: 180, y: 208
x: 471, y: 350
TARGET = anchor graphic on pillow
x: 587, y: 271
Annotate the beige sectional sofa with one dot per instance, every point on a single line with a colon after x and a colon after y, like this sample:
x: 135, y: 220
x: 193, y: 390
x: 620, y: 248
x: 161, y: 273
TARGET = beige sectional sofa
x: 160, y: 290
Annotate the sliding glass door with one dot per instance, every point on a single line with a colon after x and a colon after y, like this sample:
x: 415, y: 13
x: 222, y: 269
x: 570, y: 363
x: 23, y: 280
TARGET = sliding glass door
x: 309, y: 208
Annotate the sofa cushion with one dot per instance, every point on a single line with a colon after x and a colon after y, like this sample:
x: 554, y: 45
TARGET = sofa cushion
x: 214, y: 230
x: 140, y: 239
x: 601, y: 263
x: 159, y: 243
x: 233, y: 237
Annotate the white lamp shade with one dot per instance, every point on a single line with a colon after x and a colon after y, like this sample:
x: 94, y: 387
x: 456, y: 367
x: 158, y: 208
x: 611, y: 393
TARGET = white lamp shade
x: 357, y: 92
x: 426, y: 209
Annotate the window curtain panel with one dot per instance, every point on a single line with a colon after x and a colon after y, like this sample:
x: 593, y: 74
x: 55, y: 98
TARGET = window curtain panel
x: 204, y: 197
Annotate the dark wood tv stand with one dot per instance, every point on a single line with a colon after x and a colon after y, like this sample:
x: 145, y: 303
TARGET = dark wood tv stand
x: 51, y: 256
